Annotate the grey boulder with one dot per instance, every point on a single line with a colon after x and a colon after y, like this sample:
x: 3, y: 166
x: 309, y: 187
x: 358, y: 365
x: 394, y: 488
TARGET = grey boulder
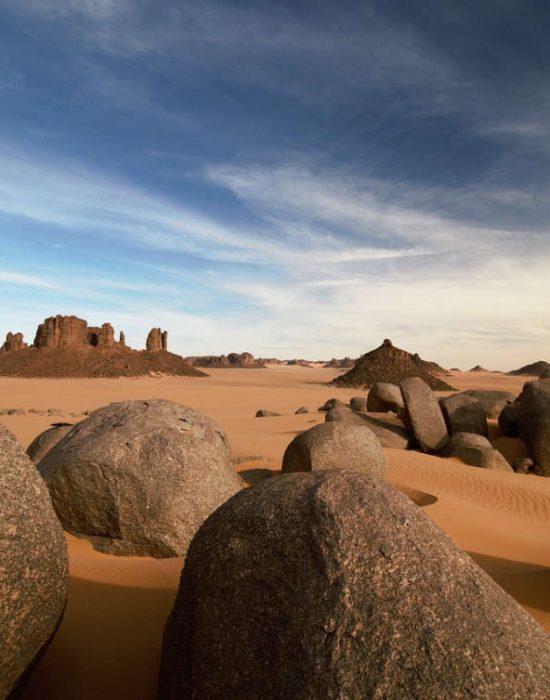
x: 384, y: 397
x: 33, y: 565
x: 492, y: 401
x: 44, y: 442
x: 334, y: 585
x: 508, y: 420
x: 139, y: 477
x: 464, y: 414
x: 476, y: 451
x: 359, y: 404
x: 423, y: 416
x: 390, y: 435
x: 534, y: 423
x: 336, y: 445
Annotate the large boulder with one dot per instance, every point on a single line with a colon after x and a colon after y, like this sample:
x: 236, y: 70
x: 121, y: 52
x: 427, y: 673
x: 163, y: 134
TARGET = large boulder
x: 534, y: 423
x: 476, y: 451
x: 464, y: 414
x: 33, y: 565
x: 423, y: 415
x: 336, y: 446
x: 508, y: 420
x: 334, y: 585
x: 492, y: 401
x: 139, y: 477
x: 388, y: 434
x: 44, y: 442
x: 384, y: 397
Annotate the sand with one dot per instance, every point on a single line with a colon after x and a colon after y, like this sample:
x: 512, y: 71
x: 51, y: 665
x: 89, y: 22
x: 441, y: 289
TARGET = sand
x: 109, y: 641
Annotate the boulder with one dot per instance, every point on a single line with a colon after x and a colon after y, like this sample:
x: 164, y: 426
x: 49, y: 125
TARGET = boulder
x: 334, y: 585
x: 359, y: 404
x: 508, y: 419
x: 44, y: 442
x: 534, y: 423
x: 464, y: 414
x: 523, y: 465
x: 62, y: 332
x: 14, y: 343
x: 332, y: 403
x: 492, y: 401
x: 139, y: 477
x: 264, y: 413
x: 388, y: 434
x: 476, y: 451
x: 302, y: 409
x: 336, y: 445
x: 423, y: 415
x: 384, y: 397
x: 33, y: 565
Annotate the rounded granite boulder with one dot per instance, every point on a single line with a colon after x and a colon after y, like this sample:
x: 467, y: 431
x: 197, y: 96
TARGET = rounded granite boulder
x: 44, y: 442
x: 140, y: 477
x: 33, y: 565
x: 334, y: 585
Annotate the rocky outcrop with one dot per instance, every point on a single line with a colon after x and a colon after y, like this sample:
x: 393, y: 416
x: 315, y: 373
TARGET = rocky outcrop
x: 390, y: 365
x: 535, y: 369
x: 102, y: 338
x: 234, y: 359
x: 334, y: 585
x: 139, y: 477
x: 336, y: 445
x: 157, y: 340
x: 62, y: 332
x: 33, y: 565
x: 423, y: 416
x: 14, y: 343
x: 44, y: 442
x: 476, y: 451
x: 464, y: 414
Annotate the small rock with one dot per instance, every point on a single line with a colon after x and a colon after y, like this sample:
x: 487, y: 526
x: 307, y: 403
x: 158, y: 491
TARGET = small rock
x: 302, y: 409
x: 263, y: 413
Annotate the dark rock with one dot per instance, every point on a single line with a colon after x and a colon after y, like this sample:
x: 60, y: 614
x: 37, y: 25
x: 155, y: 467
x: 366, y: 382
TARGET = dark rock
x: 464, y: 414
x: 332, y: 403
x: 536, y: 369
x: 14, y: 343
x: 264, y: 413
x: 139, y: 477
x: 523, y: 465
x: 44, y: 442
x: 476, y: 451
x: 359, y: 404
x: 492, y: 401
x: 302, y: 409
x: 336, y: 445
x: 334, y: 585
x: 508, y: 420
x: 423, y: 415
x: 33, y: 565
x: 534, y: 423
x: 388, y: 434
x: 384, y: 397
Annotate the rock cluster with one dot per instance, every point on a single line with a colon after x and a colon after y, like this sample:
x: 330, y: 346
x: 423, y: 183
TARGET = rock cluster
x: 33, y: 565
x: 234, y: 359
x: 157, y: 340
x: 14, y: 343
x: 334, y: 585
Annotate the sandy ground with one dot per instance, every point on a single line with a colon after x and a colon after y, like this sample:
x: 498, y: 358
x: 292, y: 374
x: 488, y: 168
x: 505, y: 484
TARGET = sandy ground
x: 109, y: 642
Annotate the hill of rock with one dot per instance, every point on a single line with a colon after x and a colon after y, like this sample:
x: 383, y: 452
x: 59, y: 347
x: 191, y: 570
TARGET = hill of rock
x: 535, y: 369
x: 65, y: 346
x: 390, y: 364
x: 234, y: 359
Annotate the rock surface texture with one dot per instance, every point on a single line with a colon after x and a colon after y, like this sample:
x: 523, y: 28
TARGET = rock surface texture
x: 334, y: 585
x: 336, y: 445
x: 44, y: 442
x: 492, y: 401
x: 464, y: 414
x: 33, y: 564
x: 388, y: 434
x: 139, y: 477
x: 385, y: 397
x: 423, y: 415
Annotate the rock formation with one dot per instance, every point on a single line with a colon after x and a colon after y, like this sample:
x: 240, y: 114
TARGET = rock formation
x: 336, y: 445
x: 492, y: 401
x: 139, y: 477
x: 157, y: 340
x: 423, y: 416
x: 476, y: 451
x: 464, y: 414
x: 389, y: 434
x: 33, y: 565
x: 62, y: 332
x: 385, y: 397
x: 14, y: 343
x: 390, y: 365
x: 535, y: 369
x: 234, y: 359
x: 44, y: 442
x: 534, y: 423
x: 102, y: 338
x: 334, y: 585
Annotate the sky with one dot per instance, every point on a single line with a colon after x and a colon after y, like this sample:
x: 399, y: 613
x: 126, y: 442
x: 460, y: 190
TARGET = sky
x: 292, y: 179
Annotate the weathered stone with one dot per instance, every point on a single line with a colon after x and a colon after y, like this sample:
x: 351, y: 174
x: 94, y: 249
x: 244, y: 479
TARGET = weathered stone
x: 534, y: 423
x: 264, y: 413
x: 492, y: 401
x: 336, y: 445
x: 508, y: 420
x: 103, y: 338
x: 384, y: 397
x: 523, y: 465
x: 33, y: 565
x: 388, y: 434
x: 44, y: 442
x: 14, y: 343
x: 359, y: 404
x: 122, y: 339
x: 334, y: 585
x: 476, y: 451
x: 423, y: 415
x: 139, y: 477
x: 464, y: 414
x: 302, y: 409
x: 62, y: 332
x: 332, y: 403
x: 157, y: 340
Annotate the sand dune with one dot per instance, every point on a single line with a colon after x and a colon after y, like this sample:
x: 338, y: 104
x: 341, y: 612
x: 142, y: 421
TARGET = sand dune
x: 109, y: 642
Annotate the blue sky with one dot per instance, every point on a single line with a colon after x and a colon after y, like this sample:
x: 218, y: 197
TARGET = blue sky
x: 293, y: 179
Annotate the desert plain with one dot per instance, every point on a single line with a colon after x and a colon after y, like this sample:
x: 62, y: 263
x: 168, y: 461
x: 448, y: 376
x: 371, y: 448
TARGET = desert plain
x: 109, y: 641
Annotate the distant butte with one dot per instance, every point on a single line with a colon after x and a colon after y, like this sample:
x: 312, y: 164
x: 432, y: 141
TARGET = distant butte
x: 65, y: 346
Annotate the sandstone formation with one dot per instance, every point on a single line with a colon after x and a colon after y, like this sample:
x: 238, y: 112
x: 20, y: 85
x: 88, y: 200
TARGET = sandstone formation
x: 476, y: 451
x: 464, y: 414
x: 234, y: 359
x: 391, y: 365
x: 44, y: 442
x: 14, y: 343
x: 33, y: 565
x: 388, y: 434
x: 157, y: 340
x: 384, y: 397
x: 492, y: 401
x: 336, y: 445
x: 103, y: 338
x: 423, y: 416
x: 334, y: 585
x: 535, y: 369
x: 139, y: 477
